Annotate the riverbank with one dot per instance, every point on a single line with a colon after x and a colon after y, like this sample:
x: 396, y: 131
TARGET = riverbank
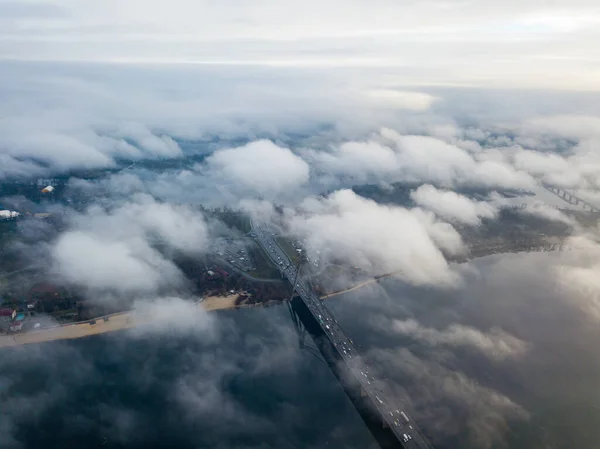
x: 114, y: 322
x: 127, y: 320
x: 488, y: 251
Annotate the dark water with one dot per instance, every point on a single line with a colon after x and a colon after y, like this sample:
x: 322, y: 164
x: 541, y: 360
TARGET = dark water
x: 546, y: 397
x: 249, y: 386
x: 244, y: 383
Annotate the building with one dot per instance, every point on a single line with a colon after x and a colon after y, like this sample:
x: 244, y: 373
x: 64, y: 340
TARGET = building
x: 8, y: 214
x: 16, y: 326
x: 6, y: 317
x: 7, y: 314
x: 44, y: 291
x: 222, y: 272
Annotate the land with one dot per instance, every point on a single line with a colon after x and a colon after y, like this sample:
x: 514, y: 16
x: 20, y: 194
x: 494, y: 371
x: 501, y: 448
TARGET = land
x: 129, y: 319
x: 235, y: 273
x: 108, y: 323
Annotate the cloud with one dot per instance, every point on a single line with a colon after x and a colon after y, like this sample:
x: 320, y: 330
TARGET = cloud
x: 423, y: 42
x: 548, y: 212
x: 258, y: 209
x: 177, y: 226
x: 172, y: 316
x: 31, y: 10
x: 8, y: 214
x: 456, y: 404
x: 261, y: 166
x: 496, y: 344
x: 194, y: 364
x: 345, y: 226
x: 75, y: 130
x: 534, y: 205
x: 552, y: 168
x: 358, y: 161
x: 401, y: 99
x: 427, y: 159
x: 113, y: 249
x: 467, y: 360
x: 577, y: 165
x: 25, y: 406
x: 570, y: 126
x: 146, y: 141
x: 388, y: 156
x: 452, y: 206
x: 90, y: 261
x: 577, y: 276
x: 57, y: 118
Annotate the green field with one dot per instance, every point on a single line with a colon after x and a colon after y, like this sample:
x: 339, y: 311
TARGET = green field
x: 265, y: 269
x: 287, y: 247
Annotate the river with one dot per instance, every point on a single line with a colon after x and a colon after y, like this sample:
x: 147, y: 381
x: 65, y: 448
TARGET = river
x: 519, y: 371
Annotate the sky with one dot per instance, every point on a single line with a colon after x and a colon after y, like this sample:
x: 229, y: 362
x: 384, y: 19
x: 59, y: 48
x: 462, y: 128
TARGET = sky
x: 477, y: 43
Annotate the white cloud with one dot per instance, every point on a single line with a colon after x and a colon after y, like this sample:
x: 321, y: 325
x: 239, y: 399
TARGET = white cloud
x: 157, y: 145
x: 578, y: 165
x: 548, y: 212
x: 112, y: 250
x: 427, y: 159
x: 416, y: 101
x: 178, y: 226
x: 571, y: 126
x: 425, y: 40
x: 8, y: 214
x: 452, y: 206
x: 552, y: 168
x: 377, y: 238
x: 443, y: 234
x: 455, y: 404
x: 495, y: 344
x: 170, y: 316
x: 261, y: 166
x: 576, y: 275
x: 98, y: 263
x: 357, y: 160
x: 389, y: 156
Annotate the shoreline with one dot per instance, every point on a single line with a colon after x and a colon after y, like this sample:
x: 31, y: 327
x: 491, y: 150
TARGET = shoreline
x: 127, y: 320
x: 115, y: 322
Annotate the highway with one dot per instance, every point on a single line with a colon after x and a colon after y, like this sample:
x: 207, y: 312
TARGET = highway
x: 398, y: 421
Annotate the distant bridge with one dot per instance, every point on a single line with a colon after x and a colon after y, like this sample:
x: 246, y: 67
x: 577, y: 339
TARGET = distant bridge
x: 572, y: 199
x: 388, y: 422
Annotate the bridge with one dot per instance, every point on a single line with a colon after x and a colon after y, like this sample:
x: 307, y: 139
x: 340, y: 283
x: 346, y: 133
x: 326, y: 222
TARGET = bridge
x: 391, y: 426
x: 572, y: 199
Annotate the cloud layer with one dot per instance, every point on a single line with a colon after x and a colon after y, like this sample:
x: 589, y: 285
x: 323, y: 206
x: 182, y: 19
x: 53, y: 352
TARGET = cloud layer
x: 260, y: 166
x: 115, y: 250
x: 452, y: 206
x: 426, y: 41
x: 496, y: 344
x: 377, y: 238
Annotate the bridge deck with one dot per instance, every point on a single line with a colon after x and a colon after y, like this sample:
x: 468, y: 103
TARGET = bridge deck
x: 392, y: 417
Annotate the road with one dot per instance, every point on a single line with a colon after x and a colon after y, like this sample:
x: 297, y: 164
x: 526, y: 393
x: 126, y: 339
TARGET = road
x: 396, y: 419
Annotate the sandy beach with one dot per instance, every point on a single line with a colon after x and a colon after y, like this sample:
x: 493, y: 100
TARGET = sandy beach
x: 115, y: 322
x: 126, y: 320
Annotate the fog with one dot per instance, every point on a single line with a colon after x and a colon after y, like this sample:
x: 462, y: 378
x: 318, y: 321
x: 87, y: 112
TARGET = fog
x: 509, y: 349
